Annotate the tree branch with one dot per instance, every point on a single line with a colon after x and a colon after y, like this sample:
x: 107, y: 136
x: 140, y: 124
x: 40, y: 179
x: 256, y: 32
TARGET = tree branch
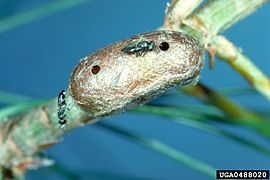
x: 213, y: 19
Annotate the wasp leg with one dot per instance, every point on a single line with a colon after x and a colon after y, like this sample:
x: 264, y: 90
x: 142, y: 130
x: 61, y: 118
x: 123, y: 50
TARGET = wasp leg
x: 143, y: 53
x: 139, y: 53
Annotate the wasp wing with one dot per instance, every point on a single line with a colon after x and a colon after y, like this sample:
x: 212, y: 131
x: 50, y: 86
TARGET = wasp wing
x: 130, y: 48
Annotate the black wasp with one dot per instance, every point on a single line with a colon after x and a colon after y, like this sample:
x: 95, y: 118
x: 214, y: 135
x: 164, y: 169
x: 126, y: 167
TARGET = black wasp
x: 61, y: 112
x: 139, y: 47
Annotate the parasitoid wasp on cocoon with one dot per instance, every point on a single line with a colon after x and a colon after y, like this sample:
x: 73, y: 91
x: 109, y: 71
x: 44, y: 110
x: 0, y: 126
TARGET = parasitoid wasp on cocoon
x: 113, y: 80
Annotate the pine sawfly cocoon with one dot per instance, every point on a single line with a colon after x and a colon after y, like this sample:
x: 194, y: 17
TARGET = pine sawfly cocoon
x: 114, y: 80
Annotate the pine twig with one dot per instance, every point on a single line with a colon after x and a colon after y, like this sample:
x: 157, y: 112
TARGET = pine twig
x: 175, y: 13
x: 213, y: 19
x: 226, y: 51
x: 205, y: 24
x: 21, y: 137
x: 20, y: 144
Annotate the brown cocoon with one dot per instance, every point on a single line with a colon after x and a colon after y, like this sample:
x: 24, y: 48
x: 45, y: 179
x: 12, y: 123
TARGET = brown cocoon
x: 111, y: 81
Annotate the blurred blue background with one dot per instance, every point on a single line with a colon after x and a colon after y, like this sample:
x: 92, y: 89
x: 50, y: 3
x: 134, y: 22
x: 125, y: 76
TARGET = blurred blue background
x: 36, y: 60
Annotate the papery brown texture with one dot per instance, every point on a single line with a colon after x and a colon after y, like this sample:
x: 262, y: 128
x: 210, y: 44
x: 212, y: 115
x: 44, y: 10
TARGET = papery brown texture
x: 125, y: 81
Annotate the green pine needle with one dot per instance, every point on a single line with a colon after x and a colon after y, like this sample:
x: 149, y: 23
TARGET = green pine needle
x: 163, y: 149
x: 197, y: 120
x: 16, y: 20
x: 12, y: 98
x: 19, y: 108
